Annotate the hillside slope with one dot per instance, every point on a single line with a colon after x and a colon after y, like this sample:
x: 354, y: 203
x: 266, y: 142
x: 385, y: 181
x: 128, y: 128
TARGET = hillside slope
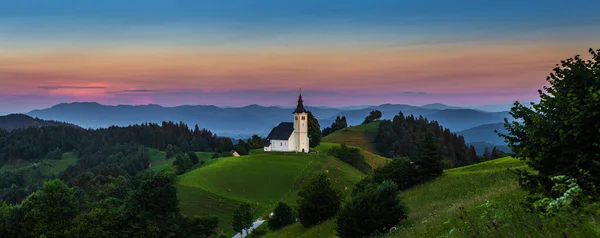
x: 261, y: 179
x: 463, y: 203
x: 361, y: 136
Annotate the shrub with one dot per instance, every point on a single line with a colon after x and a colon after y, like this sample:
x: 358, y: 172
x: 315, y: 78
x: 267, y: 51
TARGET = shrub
x: 351, y: 156
x: 372, y: 211
x: 318, y: 201
x: 282, y: 216
x: 258, y: 232
x: 401, y: 171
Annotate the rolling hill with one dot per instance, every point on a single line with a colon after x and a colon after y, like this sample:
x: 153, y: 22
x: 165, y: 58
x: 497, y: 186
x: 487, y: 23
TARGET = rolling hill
x: 487, y: 191
x: 16, y: 121
x: 361, y: 136
x: 261, y: 179
x: 485, y: 133
x: 462, y: 119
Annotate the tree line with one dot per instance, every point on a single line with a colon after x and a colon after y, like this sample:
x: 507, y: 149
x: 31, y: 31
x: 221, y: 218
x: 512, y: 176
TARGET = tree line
x: 403, y: 136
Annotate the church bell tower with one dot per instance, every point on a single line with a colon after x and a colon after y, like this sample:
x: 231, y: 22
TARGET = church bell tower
x: 301, y: 126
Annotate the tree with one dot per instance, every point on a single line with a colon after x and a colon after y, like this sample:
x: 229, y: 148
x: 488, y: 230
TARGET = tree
x: 314, y: 131
x: 429, y: 160
x: 351, y: 156
x: 318, y: 201
x: 486, y: 154
x: 55, y: 154
x: 152, y: 210
x: 495, y: 153
x: 182, y: 164
x: 242, y: 218
x: 473, y: 154
x: 170, y: 151
x: 193, y: 157
x: 559, y: 134
x: 373, y: 116
x: 282, y: 216
x: 401, y: 171
x: 375, y: 209
x: 50, y: 211
x: 198, y: 226
x: 256, y: 142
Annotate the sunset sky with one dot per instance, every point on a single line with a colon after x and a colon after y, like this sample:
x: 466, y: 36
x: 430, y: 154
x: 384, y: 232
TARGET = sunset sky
x: 241, y: 52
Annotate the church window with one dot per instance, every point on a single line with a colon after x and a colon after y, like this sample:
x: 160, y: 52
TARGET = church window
x: 280, y: 143
x: 296, y: 118
x: 303, y: 118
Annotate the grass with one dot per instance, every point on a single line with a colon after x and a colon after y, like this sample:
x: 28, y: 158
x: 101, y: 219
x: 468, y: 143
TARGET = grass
x: 261, y: 179
x: 158, y: 161
x: 35, y: 173
x: 361, y: 136
x: 373, y: 160
x: 487, y: 192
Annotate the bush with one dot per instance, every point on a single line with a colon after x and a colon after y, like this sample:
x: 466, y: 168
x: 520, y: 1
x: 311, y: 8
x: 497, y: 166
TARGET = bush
x: 318, y: 201
x: 401, y: 171
x: 351, y: 156
x: 371, y: 211
x: 54, y: 155
x: 282, y: 216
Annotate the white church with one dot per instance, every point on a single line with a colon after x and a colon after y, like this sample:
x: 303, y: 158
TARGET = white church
x: 290, y: 136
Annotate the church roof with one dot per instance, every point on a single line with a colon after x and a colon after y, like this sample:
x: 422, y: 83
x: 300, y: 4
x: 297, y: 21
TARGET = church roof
x: 281, y: 132
x: 300, y: 107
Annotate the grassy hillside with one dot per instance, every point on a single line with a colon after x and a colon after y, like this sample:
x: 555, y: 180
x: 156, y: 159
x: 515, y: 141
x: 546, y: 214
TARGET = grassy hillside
x: 262, y: 179
x: 158, y: 161
x: 488, y: 192
x: 37, y: 173
x: 372, y: 159
x: 361, y: 136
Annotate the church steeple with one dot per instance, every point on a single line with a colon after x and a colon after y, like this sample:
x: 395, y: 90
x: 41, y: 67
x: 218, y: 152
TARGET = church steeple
x: 300, y: 107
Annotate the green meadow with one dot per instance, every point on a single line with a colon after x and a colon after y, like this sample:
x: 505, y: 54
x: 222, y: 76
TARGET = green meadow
x: 361, y: 136
x: 487, y: 197
x: 35, y: 173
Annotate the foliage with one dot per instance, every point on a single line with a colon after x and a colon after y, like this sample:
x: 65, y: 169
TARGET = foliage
x: 256, y: 142
x: 403, y: 136
x: 559, y: 134
x: 243, y: 148
x: 401, y: 171
x: 371, y: 211
x: 182, y: 164
x: 351, y: 156
x: 242, y: 218
x: 338, y: 124
x: 258, y: 232
x: 318, y: 201
x: 429, y: 165
x: 50, y: 211
x: 373, y: 116
x: 193, y: 157
x: 570, y: 196
x: 54, y: 155
x: 282, y: 216
x: 314, y: 131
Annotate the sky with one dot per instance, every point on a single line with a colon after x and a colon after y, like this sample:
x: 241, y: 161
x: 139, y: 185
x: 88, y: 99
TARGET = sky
x: 241, y: 52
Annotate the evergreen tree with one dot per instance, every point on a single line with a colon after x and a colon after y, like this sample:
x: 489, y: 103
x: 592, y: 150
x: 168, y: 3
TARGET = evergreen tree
x: 486, y: 154
x: 170, y: 151
x: 282, y: 216
x: 314, y: 131
x: 372, y: 211
x: 193, y: 157
x: 429, y: 160
x: 318, y: 201
x: 401, y: 171
x: 50, y: 211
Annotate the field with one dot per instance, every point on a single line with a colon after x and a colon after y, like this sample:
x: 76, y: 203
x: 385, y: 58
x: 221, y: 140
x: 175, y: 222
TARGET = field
x: 490, y: 196
x: 261, y: 179
x: 361, y: 136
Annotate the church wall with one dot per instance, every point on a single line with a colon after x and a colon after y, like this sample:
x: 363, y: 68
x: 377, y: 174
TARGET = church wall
x: 292, y: 142
x: 279, y: 145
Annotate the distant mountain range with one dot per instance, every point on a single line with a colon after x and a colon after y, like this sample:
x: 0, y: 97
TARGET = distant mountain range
x: 242, y: 122
x: 485, y: 133
x: 17, y: 121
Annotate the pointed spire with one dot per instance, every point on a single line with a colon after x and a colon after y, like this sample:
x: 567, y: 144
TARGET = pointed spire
x: 300, y: 107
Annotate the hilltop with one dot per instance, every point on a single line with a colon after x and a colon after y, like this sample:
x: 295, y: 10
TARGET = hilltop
x: 17, y: 121
x: 243, y: 122
x: 261, y: 179
x: 361, y: 136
